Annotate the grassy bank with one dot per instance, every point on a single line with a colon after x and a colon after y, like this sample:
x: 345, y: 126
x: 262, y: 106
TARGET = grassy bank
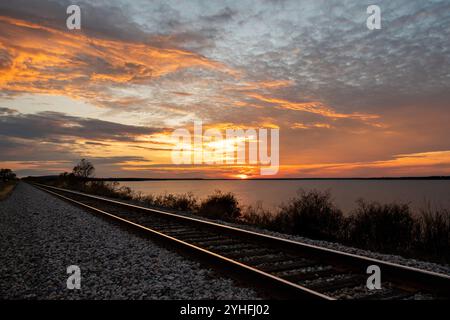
x: 6, y: 189
x: 387, y: 228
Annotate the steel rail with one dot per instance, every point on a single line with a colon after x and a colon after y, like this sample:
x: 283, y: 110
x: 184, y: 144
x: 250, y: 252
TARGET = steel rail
x: 401, y: 276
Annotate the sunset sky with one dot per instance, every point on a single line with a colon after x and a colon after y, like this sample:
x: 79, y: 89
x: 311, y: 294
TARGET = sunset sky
x: 348, y: 101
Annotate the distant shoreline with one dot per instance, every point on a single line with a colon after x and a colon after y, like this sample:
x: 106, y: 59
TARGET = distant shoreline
x: 257, y: 179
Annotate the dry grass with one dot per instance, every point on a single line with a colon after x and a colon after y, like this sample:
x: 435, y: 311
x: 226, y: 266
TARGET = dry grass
x: 6, y: 188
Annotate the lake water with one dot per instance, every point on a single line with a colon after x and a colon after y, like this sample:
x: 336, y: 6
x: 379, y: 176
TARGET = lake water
x: 344, y: 192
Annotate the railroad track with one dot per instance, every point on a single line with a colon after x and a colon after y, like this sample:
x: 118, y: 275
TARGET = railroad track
x: 282, y: 268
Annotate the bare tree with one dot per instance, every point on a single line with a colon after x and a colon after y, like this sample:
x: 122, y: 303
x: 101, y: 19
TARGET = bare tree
x: 84, y: 169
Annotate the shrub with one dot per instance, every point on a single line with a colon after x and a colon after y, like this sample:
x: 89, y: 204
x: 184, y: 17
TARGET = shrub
x: 220, y: 206
x: 433, y: 232
x: 124, y: 193
x: 310, y: 214
x: 102, y: 188
x: 388, y: 227
x: 258, y: 216
x: 183, y: 202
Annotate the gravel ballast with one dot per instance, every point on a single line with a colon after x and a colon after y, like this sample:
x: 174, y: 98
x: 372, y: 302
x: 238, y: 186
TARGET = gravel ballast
x: 40, y: 236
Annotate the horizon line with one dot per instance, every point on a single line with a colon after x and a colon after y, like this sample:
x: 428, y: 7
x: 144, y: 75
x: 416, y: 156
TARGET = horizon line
x: 434, y: 177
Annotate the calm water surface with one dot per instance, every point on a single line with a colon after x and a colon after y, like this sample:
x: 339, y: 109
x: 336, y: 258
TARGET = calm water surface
x: 344, y: 192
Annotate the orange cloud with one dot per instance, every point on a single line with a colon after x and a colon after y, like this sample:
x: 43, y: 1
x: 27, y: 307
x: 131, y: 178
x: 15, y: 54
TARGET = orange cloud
x: 311, y: 107
x: 416, y: 159
x: 420, y: 163
x: 52, y: 166
x: 40, y: 59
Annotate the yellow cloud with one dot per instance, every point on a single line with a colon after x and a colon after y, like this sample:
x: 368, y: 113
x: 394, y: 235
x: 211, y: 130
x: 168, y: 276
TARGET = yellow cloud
x: 299, y: 125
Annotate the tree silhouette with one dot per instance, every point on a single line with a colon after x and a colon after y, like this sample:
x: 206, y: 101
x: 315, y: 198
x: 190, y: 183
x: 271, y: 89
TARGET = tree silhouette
x: 7, y: 174
x: 84, y: 169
